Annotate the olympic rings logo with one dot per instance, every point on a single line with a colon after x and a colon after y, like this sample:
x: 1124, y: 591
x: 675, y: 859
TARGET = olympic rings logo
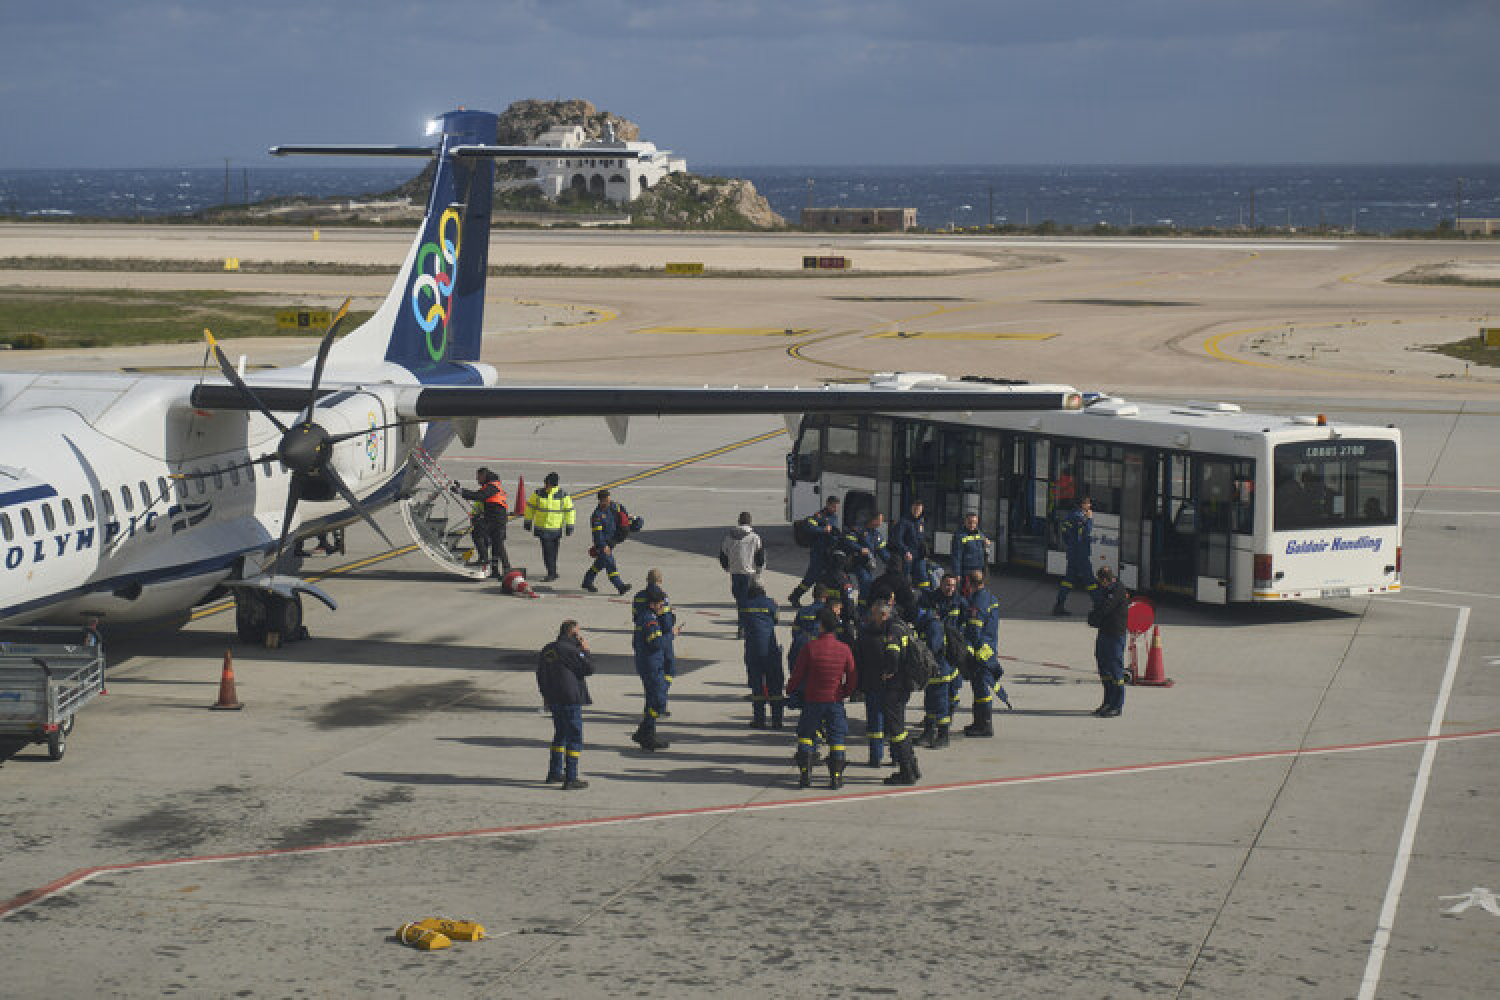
x: 431, y: 292
x: 372, y: 442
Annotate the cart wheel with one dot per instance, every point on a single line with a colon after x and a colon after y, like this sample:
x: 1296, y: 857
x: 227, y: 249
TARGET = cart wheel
x: 57, y: 740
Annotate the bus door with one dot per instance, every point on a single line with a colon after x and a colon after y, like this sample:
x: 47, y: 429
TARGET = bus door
x: 804, y: 470
x: 1028, y: 491
x: 1135, y: 529
x: 1176, y: 526
x: 1216, y: 503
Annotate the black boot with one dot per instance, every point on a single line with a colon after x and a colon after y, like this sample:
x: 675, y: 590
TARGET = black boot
x: 645, y: 735
x: 804, y: 770
x: 907, y: 775
x: 836, y: 772
x: 941, y: 740
x: 778, y: 712
x: 983, y: 724
x: 911, y: 762
x: 929, y: 733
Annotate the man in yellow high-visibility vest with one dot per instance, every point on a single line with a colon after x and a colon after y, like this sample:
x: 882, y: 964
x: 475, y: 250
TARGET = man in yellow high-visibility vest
x: 549, y: 512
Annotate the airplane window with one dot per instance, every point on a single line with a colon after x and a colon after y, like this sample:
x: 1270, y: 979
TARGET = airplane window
x: 218, y: 478
x: 5, y: 527
x: 88, y: 507
x: 202, y: 479
x: 109, y: 502
x: 145, y: 495
x: 47, y: 518
x: 266, y: 468
x: 180, y: 487
x: 234, y: 476
x: 161, y: 489
x: 26, y: 522
x: 125, y: 498
x: 67, y: 506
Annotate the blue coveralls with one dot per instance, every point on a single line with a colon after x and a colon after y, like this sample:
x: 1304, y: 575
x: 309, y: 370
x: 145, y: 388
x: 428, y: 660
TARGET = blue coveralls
x: 604, y: 525
x: 910, y: 538
x: 951, y: 611
x: 937, y: 696
x: 648, y: 645
x: 763, y: 669
x: 667, y: 619
x: 805, y: 628
x: 968, y: 553
x: 1078, y: 541
x: 825, y: 538
x: 865, y: 573
x: 982, y: 631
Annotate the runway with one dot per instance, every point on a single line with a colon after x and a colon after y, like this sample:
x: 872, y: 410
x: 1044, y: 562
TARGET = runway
x: 1303, y: 814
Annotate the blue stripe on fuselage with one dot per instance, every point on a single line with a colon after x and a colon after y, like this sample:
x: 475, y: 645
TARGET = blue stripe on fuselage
x: 26, y: 495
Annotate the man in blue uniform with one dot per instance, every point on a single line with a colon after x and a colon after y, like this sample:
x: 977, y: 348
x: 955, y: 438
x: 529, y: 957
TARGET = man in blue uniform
x: 971, y: 550
x: 822, y: 531
x: 1110, y: 616
x: 946, y: 604
x: 909, y: 546
x: 1077, y: 530
x: 880, y: 657
x: 866, y: 548
x: 763, y: 670
x: 647, y: 643
x: 805, y: 626
x: 604, y: 525
x: 982, y: 632
x: 670, y: 630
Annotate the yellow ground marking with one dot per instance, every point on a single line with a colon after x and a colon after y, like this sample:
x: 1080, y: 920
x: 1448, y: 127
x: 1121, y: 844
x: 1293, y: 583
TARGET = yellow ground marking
x: 729, y: 331
x: 223, y: 606
x: 1212, y: 349
x: 957, y: 335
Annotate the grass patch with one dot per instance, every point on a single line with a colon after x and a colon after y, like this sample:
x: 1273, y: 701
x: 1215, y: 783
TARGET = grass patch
x: 35, y: 317
x: 1469, y: 350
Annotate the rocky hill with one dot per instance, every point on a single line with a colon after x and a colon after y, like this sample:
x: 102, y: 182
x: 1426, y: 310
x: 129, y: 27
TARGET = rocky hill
x: 687, y: 201
x: 522, y: 122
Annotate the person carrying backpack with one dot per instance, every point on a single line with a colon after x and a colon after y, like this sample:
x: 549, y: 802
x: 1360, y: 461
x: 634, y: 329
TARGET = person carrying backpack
x: 609, y: 525
x: 883, y: 650
x: 820, y: 533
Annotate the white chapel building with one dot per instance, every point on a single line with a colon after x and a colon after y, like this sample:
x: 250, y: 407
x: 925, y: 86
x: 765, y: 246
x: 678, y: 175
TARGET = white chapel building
x: 599, y: 168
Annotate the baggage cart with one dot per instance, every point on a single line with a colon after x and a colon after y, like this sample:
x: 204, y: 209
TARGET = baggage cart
x: 46, y: 676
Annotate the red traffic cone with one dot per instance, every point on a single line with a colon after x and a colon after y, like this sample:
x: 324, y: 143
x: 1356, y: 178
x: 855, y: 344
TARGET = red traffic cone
x: 514, y: 582
x: 520, y: 507
x: 1156, y: 671
x: 228, y: 699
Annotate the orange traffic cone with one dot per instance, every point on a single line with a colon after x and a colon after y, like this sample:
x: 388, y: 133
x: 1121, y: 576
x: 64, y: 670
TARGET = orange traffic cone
x: 520, y: 507
x: 1156, y: 671
x: 514, y: 582
x: 227, y: 697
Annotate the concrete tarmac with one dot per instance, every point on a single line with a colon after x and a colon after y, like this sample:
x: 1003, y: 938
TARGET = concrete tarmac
x: 1308, y: 812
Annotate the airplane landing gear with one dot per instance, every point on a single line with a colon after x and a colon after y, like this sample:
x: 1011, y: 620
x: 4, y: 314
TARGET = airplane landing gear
x: 258, y: 614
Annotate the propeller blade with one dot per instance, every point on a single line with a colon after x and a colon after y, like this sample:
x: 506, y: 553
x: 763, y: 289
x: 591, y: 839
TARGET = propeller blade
x: 293, y: 494
x: 353, y: 501
x: 350, y: 435
x: 323, y: 349
x: 239, y: 383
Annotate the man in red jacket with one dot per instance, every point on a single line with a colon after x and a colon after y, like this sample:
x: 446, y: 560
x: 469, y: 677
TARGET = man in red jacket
x: 825, y: 675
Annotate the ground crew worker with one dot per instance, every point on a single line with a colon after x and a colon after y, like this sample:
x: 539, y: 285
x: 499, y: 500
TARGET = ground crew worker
x: 909, y: 546
x: 805, y: 625
x: 1077, y: 531
x: 823, y: 531
x: 763, y: 669
x: 880, y: 659
x: 647, y: 644
x: 937, y: 717
x: 549, y: 512
x: 971, y: 550
x: 1110, y: 616
x: 866, y: 548
x: 826, y: 675
x: 951, y: 607
x: 561, y: 672
x: 982, y: 633
x: 604, y: 526
x: 491, y: 515
x: 670, y: 630
x: 892, y: 585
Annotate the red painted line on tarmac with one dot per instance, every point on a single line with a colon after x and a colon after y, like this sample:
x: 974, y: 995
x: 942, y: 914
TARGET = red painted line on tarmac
x: 82, y: 875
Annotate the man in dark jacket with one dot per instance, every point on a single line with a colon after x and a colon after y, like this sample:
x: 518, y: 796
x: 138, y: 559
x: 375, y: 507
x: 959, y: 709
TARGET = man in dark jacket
x: 490, y: 518
x: 826, y: 675
x: 881, y: 652
x: 1109, y: 616
x: 560, y: 674
x: 763, y: 670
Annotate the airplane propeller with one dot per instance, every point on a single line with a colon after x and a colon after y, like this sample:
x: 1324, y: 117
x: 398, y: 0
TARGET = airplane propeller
x: 306, y: 448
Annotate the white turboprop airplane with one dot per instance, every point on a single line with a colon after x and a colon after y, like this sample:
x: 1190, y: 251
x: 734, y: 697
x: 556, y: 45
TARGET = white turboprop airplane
x: 134, y: 498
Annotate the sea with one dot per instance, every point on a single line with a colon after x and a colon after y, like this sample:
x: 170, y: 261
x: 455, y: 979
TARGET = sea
x: 1365, y: 198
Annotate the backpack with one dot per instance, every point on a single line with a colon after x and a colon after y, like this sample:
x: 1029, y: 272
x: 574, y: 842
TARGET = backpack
x: 625, y: 524
x: 919, y: 665
x: 957, y: 650
x: 803, y: 533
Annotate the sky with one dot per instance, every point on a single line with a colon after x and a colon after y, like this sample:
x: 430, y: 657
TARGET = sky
x: 149, y: 83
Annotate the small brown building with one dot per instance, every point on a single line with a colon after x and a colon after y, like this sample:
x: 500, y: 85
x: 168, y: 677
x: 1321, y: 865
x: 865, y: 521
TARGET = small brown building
x: 852, y: 219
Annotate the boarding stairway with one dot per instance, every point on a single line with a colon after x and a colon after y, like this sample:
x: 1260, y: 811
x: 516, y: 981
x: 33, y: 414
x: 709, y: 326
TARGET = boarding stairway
x: 438, y: 518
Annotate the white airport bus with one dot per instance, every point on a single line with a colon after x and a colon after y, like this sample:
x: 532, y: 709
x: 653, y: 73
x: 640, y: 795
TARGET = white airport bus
x: 1197, y: 499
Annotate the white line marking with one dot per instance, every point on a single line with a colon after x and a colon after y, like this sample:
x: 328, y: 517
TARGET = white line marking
x: 1382, y: 939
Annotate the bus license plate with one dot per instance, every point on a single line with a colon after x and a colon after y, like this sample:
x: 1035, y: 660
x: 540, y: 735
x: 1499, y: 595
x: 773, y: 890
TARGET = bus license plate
x: 1335, y: 592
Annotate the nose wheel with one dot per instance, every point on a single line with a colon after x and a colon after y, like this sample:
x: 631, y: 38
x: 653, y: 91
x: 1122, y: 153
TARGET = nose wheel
x: 258, y: 614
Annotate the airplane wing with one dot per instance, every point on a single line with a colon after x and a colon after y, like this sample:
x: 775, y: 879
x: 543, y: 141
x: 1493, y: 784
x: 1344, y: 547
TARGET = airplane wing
x: 447, y: 402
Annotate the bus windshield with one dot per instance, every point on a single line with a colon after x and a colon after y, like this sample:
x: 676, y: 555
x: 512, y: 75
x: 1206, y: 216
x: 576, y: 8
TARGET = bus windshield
x: 1335, y: 484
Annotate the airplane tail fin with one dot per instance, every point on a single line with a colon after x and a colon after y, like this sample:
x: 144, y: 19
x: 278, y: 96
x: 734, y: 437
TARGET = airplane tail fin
x: 432, y: 319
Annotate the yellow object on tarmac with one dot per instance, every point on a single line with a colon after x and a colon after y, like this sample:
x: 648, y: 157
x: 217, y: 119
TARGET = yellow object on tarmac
x: 423, y: 938
x: 458, y: 930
